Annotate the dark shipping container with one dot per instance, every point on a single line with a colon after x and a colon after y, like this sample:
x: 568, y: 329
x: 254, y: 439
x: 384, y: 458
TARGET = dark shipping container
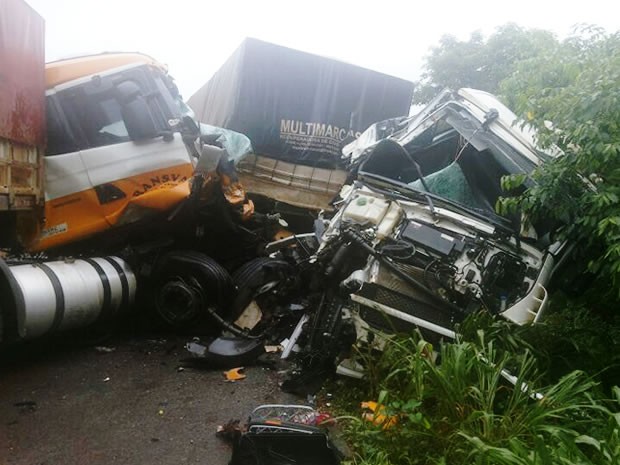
x: 296, y: 106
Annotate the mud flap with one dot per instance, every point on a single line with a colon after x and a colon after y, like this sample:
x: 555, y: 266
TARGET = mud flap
x: 226, y: 352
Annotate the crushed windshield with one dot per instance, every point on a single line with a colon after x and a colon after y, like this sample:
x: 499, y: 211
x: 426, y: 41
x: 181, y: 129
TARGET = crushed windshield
x: 456, y: 158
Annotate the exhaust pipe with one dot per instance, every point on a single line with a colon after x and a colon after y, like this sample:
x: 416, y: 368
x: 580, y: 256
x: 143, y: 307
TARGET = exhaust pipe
x: 37, y: 299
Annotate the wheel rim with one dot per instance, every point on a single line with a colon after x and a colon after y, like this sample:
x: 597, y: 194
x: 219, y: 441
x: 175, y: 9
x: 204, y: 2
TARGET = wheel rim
x: 180, y: 301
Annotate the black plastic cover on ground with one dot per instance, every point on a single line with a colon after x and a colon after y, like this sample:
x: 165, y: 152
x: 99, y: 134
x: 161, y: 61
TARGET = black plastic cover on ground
x: 297, y: 106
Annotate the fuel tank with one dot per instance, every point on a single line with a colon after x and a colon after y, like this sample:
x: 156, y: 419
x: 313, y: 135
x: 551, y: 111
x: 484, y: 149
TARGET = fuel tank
x: 41, y: 298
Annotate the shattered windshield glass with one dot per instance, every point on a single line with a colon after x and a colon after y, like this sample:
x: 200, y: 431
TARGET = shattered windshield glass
x: 457, y: 160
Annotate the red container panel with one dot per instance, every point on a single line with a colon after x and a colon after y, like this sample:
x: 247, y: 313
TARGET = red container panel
x: 22, y: 73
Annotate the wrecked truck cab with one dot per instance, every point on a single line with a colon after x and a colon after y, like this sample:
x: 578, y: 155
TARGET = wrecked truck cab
x: 431, y: 188
x: 121, y: 148
x: 138, y: 197
x: 416, y: 242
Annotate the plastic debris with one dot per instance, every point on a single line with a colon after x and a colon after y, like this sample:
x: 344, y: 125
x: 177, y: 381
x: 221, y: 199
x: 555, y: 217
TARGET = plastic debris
x: 26, y: 406
x: 224, y: 352
x: 250, y: 317
x: 229, y: 431
x: 377, y: 415
x: 104, y: 349
x: 234, y: 374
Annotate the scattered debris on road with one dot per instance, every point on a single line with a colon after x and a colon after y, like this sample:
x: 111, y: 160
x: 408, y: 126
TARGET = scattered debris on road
x: 234, y: 374
x: 26, y: 406
x: 230, y: 431
x: 224, y: 352
x: 273, y: 349
x: 104, y: 349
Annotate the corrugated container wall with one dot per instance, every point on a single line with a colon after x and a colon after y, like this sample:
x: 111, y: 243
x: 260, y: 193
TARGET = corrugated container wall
x: 22, y: 104
x: 296, y: 106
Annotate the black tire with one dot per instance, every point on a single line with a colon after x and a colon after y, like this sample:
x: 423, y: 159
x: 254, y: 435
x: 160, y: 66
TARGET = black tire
x: 188, y: 286
x: 257, y: 278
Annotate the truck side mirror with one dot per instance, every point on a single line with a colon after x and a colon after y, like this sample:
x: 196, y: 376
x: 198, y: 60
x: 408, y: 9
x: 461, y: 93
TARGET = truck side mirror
x: 138, y: 120
x: 191, y: 126
x: 136, y: 112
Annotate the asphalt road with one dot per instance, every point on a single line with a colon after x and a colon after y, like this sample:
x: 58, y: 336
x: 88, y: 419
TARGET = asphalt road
x: 74, y: 405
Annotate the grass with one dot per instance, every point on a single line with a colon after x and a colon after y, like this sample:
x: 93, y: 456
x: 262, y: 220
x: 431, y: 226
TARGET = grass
x: 457, y: 408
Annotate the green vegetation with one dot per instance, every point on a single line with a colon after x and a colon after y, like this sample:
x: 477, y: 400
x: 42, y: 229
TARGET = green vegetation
x: 479, y: 63
x: 458, y: 408
x: 576, y: 86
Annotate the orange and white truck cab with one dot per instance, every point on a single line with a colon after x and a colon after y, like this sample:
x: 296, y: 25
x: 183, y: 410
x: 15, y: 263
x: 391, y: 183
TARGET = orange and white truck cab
x: 120, y: 147
x: 128, y: 192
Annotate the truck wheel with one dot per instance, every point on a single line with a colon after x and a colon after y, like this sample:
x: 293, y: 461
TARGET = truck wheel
x: 261, y: 280
x: 188, y: 287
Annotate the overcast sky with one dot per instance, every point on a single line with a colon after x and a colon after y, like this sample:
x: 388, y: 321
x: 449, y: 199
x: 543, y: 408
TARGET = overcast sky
x: 195, y: 37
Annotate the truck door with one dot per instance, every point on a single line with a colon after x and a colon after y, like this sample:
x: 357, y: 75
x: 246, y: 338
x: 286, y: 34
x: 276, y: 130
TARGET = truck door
x: 68, y: 190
